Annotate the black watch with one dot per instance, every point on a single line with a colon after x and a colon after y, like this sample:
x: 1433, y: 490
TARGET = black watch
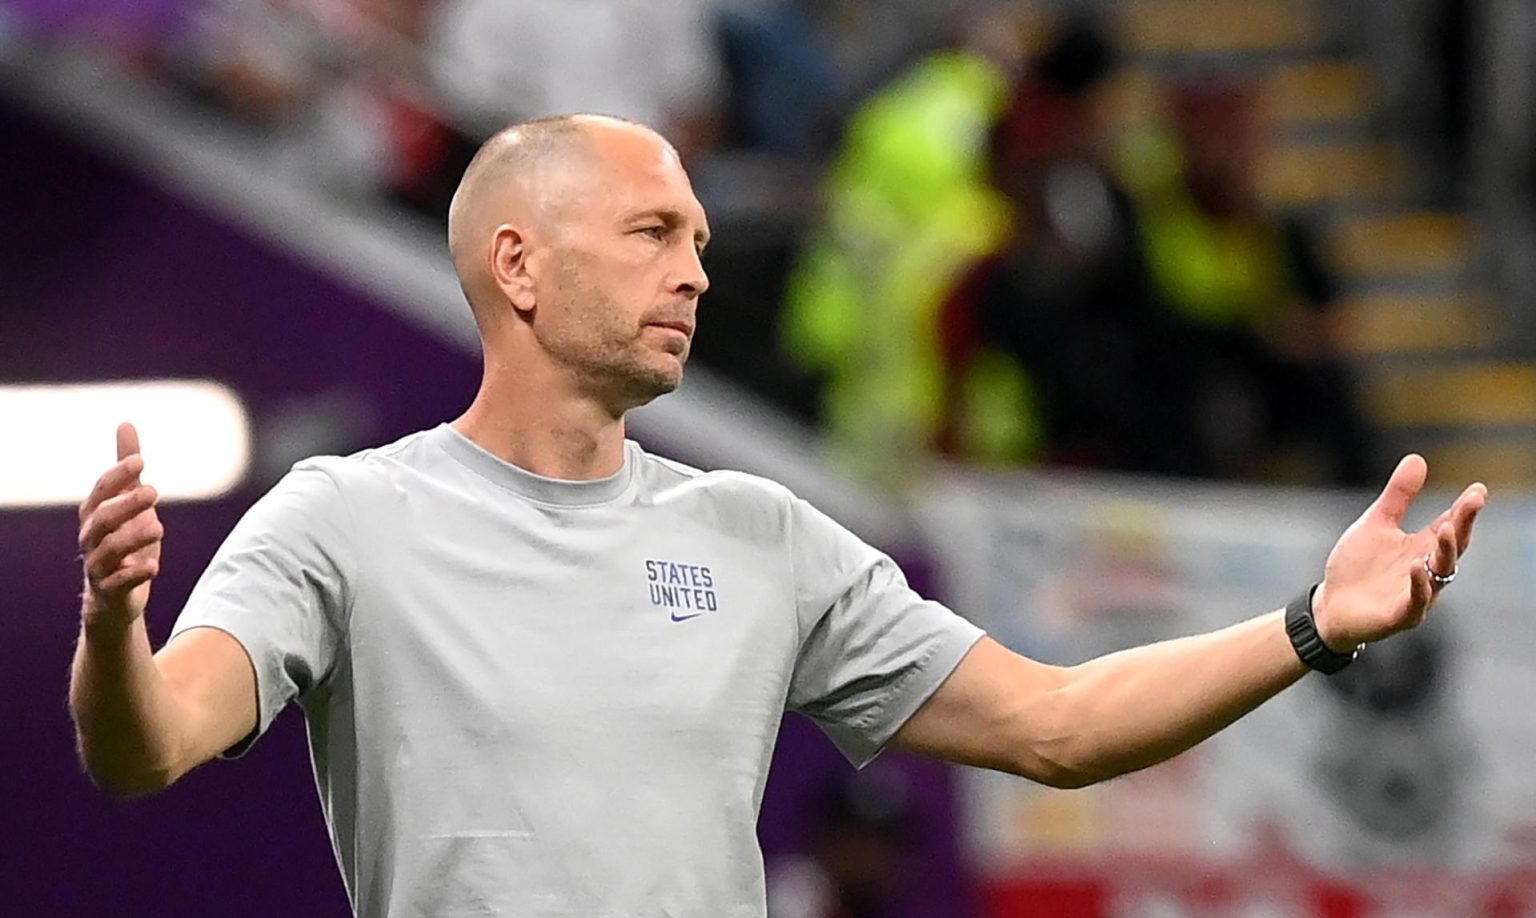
x: 1308, y: 643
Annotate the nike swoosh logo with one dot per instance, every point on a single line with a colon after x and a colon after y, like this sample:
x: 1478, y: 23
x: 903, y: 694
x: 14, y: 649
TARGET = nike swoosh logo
x: 684, y: 618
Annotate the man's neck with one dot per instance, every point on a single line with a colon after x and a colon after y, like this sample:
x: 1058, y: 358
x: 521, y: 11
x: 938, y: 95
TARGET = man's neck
x: 549, y: 434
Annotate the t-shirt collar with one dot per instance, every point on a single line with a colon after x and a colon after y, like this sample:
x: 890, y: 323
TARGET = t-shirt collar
x: 537, y: 487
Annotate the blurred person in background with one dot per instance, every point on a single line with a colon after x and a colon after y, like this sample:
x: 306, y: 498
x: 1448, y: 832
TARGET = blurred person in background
x: 871, y: 44
x: 798, y: 68
x: 544, y: 670
x: 906, y: 207
x: 1261, y: 391
x: 333, y: 87
x: 393, y: 97
x: 652, y: 61
x: 1043, y: 339
x: 786, y: 88
x: 490, y: 62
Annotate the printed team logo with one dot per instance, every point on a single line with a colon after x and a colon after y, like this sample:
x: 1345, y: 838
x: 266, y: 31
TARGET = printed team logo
x: 685, y: 590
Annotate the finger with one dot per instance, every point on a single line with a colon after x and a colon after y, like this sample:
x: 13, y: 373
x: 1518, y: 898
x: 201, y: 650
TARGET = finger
x: 125, y: 543
x: 127, y: 440
x: 1442, y: 560
x: 114, y: 513
x: 108, y: 556
x: 130, y: 575
x: 1470, y: 500
x: 123, y: 475
x: 1405, y: 484
x: 1463, y: 514
x: 1421, y: 591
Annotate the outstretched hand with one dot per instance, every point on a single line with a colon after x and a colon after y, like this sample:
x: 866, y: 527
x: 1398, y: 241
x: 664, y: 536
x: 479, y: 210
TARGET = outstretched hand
x: 1377, y: 581
x: 120, y: 537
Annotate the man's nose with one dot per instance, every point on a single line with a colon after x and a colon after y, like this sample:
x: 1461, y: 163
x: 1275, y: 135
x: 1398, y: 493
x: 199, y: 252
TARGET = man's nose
x: 691, y: 279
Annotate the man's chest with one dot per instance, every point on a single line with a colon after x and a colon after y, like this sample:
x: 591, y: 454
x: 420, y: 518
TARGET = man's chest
x: 533, y: 630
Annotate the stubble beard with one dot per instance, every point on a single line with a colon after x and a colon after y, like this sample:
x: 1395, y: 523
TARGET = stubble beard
x: 619, y: 368
x: 635, y: 381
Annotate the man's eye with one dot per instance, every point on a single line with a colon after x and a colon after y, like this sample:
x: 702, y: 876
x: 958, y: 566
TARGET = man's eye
x: 655, y: 232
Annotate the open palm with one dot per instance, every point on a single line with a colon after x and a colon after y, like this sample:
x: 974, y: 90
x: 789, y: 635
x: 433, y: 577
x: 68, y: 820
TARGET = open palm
x: 1377, y: 582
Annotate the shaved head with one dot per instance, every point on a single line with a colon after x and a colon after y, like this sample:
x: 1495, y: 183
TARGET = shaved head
x: 578, y: 241
x: 529, y: 175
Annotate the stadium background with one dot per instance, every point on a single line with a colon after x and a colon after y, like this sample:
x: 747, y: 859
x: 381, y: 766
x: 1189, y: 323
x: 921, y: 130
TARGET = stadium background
x: 205, y: 191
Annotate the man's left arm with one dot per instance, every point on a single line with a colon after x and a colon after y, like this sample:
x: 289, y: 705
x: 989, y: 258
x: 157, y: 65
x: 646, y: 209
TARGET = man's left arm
x: 1073, y: 726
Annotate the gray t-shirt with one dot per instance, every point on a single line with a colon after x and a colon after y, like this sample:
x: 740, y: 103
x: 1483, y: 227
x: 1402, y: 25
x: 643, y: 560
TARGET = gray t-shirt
x: 531, y: 697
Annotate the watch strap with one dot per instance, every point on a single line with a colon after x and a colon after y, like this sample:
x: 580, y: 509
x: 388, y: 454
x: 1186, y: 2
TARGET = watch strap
x: 1302, y: 629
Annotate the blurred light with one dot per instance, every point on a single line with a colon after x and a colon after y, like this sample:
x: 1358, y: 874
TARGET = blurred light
x: 194, y: 435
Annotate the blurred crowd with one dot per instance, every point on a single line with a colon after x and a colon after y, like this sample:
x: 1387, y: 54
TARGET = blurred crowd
x: 393, y: 96
x: 999, y: 277
x: 990, y: 272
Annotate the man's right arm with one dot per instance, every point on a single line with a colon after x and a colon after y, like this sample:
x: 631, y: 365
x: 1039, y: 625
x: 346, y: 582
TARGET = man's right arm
x: 143, y: 720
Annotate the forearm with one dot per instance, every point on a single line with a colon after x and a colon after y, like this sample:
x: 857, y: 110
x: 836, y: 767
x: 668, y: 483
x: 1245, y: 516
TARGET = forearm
x: 1067, y: 727
x: 127, y: 721
x: 1138, y: 707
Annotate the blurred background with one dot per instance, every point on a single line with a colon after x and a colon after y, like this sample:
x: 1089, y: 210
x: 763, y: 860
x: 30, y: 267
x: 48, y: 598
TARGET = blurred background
x: 1103, y: 317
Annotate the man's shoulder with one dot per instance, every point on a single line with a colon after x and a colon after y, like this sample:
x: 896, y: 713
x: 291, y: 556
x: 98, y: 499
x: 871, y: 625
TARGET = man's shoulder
x: 748, y: 503
x: 368, y: 468
x: 664, y: 477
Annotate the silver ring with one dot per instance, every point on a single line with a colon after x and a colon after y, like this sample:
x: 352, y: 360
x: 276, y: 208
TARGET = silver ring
x: 1439, y: 580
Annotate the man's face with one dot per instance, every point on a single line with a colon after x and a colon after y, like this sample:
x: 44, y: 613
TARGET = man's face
x: 621, y: 279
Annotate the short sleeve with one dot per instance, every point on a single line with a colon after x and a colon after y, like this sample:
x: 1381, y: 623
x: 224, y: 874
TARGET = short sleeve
x: 281, y: 585
x: 872, y: 650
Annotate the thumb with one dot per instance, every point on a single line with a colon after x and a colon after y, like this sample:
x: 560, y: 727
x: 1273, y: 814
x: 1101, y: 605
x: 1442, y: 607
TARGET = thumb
x: 1405, y: 484
x: 127, y: 440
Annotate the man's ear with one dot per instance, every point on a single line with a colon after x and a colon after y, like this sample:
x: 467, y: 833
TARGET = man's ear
x: 509, y: 267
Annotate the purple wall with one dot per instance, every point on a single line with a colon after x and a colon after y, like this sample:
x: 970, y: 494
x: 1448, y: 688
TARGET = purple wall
x: 102, y: 276
x: 137, y: 21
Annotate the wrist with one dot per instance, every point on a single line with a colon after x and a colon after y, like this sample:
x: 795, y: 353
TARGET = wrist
x: 1302, y: 626
x: 100, y: 622
x: 1324, y: 622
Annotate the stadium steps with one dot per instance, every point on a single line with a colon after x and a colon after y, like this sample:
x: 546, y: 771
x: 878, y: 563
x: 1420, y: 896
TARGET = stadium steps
x: 1321, y: 91
x: 1477, y: 392
x: 1497, y: 463
x: 1473, y: 420
x: 1300, y: 174
x: 1322, y: 99
x: 1407, y: 243
x: 1428, y: 342
x: 1194, y: 27
x: 1387, y: 325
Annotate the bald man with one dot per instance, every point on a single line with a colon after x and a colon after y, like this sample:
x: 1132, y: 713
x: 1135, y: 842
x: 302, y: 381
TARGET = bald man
x: 543, y: 670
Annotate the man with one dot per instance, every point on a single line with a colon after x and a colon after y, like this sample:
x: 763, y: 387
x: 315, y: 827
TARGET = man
x: 543, y: 670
